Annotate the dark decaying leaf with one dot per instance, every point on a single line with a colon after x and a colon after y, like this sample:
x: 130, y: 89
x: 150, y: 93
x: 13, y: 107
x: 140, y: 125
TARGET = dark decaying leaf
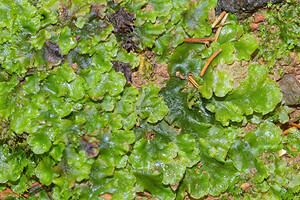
x: 124, y: 68
x: 52, y: 53
x: 90, y: 146
x: 123, y: 21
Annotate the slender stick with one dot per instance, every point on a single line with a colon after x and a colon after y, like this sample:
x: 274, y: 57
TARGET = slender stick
x: 294, y: 124
x: 286, y: 132
x: 218, y: 19
x: 191, y: 79
x: 220, y: 28
x: 209, y: 61
x: 223, y: 24
x: 200, y: 40
x: 207, y: 43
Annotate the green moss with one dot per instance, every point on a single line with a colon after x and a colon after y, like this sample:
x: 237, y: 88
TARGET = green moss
x: 69, y: 121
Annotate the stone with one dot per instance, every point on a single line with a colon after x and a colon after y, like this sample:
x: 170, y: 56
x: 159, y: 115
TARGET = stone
x: 242, y: 8
x: 290, y: 88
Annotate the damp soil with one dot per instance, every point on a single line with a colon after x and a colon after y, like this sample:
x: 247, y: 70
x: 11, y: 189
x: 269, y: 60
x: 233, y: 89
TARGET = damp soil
x: 150, y: 71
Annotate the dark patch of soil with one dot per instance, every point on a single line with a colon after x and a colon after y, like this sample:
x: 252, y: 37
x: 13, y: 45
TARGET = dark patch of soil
x: 249, y: 127
x: 291, y: 160
x: 158, y: 75
x: 238, y: 70
x: 242, y: 8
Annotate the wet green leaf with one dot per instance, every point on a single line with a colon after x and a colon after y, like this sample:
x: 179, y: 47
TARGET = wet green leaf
x: 91, y: 77
x: 6, y: 87
x: 280, y: 114
x: 194, y: 18
x: 218, y: 82
x: 118, y: 183
x: 114, y: 146
x: 66, y: 72
x: 61, y: 107
x: 139, y: 160
x: 226, y: 55
x: 57, y: 151
x: 148, y: 32
x: 245, y: 47
x: 246, y: 162
x: 151, y: 182
x: 292, y: 141
x: 31, y: 85
x: 149, y: 105
x: 171, y: 38
x: 210, y: 177
x: 112, y: 83
x: 102, y: 65
x: 19, y: 186
x: 267, y: 136
x: 66, y: 41
x: 44, y: 170
x: 193, y: 120
x: 49, y: 16
x: 230, y: 32
x: 223, y: 138
x: 6, y: 11
x: 196, y: 182
x: 12, y: 164
x: 186, y: 58
x: 23, y: 117
x: 75, y: 166
x: 257, y: 93
x: 130, y: 58
x: 76, y: 89
x: 40, y: 142
x: 38, y: 40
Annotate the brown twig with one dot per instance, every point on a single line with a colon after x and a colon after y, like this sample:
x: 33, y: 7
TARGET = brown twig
x: 207, y: 43
x: 209, y: 61
x: 286, y: 132
x: 220, y: 28
x: 200, y: 40
x: 192, y: 80
x: 294, y: 124
x: 218, y: 19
